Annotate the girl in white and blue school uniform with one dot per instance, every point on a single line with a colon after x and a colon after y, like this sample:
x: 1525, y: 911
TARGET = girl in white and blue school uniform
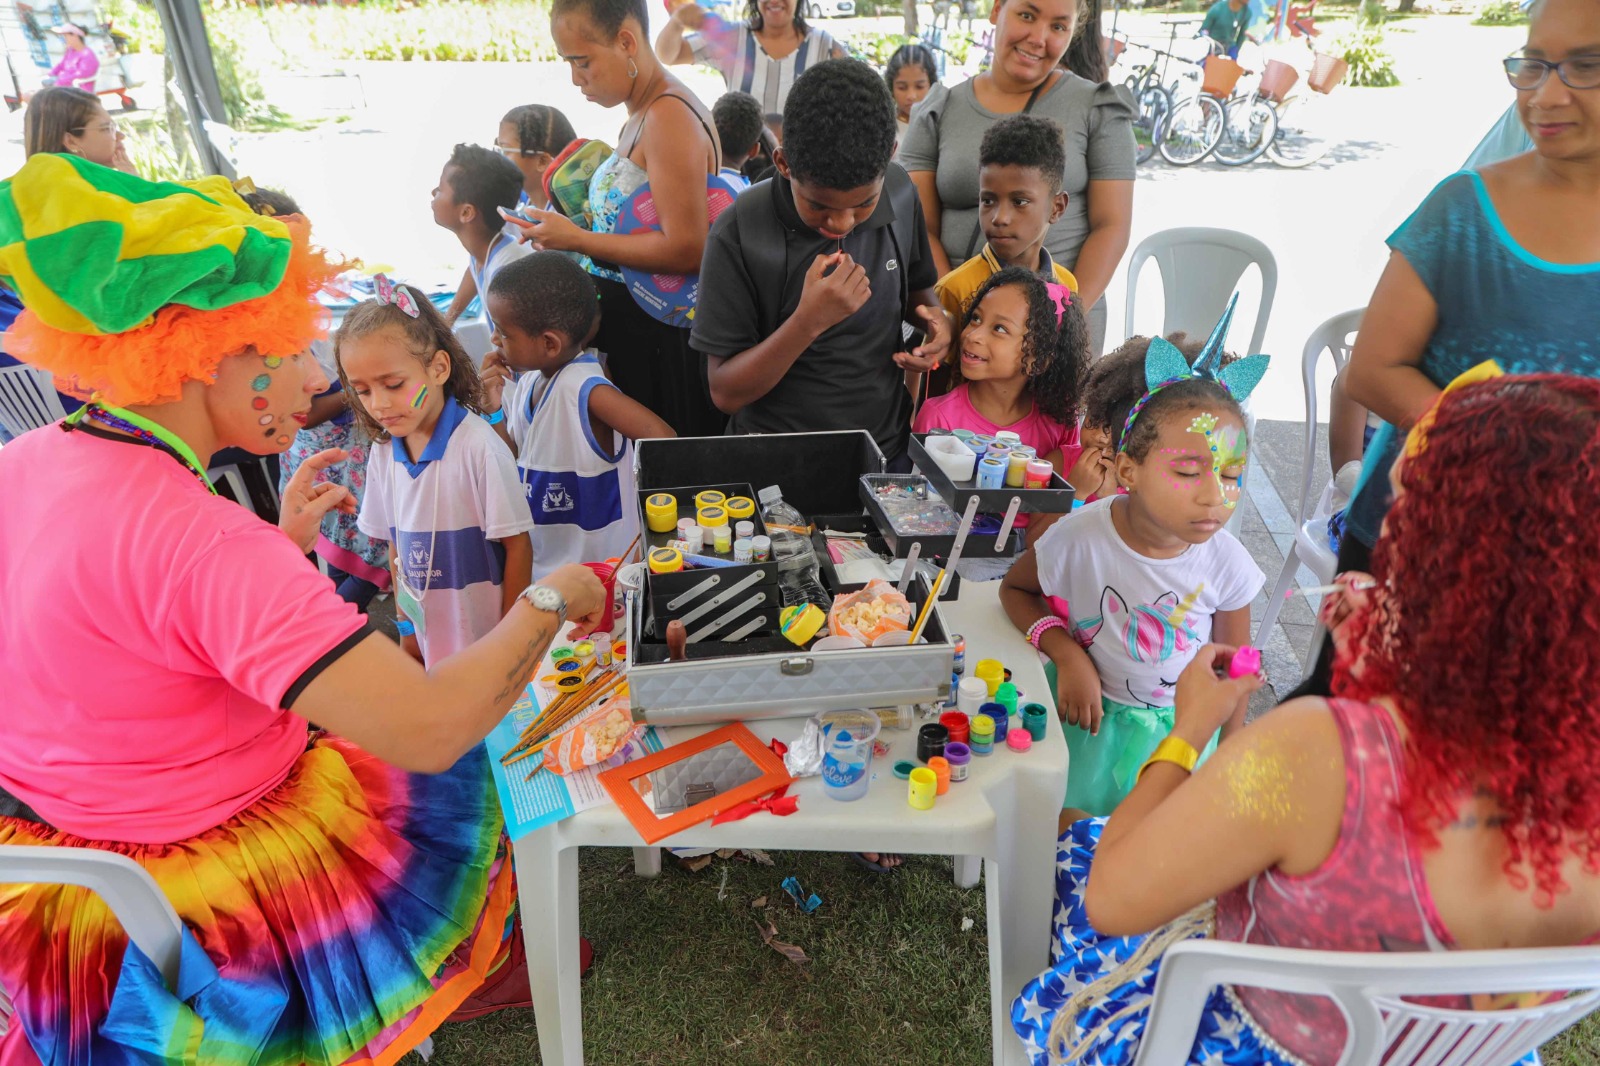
x: 569, y: 426
x: 440, y: 487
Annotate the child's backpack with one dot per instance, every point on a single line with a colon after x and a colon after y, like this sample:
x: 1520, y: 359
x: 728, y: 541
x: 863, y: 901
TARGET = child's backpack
x: 566, y: 181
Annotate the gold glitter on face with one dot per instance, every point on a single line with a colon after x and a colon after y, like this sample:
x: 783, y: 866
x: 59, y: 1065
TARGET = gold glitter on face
x: 1259, y: 787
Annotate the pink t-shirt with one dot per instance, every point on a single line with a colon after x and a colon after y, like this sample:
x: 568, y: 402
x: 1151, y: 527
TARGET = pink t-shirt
x: 150, y: 634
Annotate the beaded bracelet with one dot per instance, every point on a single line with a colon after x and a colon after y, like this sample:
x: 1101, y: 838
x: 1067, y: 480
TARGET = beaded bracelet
x: 405, y: 627
x: 1037, y: 631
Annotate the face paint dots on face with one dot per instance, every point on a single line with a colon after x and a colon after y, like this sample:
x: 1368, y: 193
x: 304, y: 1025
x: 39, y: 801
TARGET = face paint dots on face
x: 272, y: 362
x: 259, y: 403
x: 285, y: 440
x: 266, y: 420
x: 1227, y: 452
x: 260, y: 382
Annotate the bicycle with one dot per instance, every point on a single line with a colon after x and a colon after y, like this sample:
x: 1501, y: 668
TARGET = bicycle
x: 1153, y: 103
x: 1249, y: 126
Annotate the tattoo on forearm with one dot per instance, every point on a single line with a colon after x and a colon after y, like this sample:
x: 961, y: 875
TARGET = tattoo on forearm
x: 517, y: 677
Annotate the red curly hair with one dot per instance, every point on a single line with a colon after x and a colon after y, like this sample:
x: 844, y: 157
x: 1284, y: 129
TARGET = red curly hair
x: 150, y: 365
x: 1487, y: 636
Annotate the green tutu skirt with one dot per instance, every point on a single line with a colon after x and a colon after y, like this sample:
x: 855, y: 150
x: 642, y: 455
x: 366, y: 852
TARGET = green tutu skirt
x: 1102, y: 767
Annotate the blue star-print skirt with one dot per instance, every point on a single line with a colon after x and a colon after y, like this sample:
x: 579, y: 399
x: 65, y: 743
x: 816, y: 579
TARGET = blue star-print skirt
x: 1082, y: 956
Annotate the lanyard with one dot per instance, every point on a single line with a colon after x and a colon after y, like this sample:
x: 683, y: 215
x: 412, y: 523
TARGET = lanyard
x: 161, y: 434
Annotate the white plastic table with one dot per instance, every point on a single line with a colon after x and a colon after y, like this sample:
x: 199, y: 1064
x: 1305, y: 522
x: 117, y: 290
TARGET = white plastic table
x: 1005, y: 813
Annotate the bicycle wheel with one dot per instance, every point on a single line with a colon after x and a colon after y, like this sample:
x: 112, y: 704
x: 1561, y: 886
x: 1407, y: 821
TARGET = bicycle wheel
x: 1193, y: 129
x: 1248, y: 126
x: 1298, y: 143
x: 1155, y: 107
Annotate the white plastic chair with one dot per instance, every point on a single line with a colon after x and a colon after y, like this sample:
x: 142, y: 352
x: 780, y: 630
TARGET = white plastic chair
x: 1200, y: 269
x: 28, y: 399
x: 475, y: 337
x: 1367, y: 987
x: 131, y: 893
x: 1336, y: 336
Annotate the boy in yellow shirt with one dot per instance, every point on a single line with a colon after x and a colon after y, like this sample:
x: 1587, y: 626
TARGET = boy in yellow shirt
x: 1021, y: 161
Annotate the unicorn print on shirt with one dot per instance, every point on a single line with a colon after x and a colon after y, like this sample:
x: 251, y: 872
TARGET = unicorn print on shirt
x: 1150, y: 633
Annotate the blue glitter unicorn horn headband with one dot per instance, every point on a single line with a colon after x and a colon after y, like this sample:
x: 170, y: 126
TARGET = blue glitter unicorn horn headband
x: 1165, y: 365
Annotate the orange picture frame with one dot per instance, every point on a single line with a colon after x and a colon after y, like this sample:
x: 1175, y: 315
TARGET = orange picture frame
x: 619, y: 782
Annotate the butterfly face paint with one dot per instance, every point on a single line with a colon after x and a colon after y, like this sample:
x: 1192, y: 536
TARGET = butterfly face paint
x: 1227, y: 449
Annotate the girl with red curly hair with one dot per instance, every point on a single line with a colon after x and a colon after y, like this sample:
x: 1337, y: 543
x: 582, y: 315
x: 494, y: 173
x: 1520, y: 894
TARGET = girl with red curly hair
x: 1444, y: 798
x: 341, y: 893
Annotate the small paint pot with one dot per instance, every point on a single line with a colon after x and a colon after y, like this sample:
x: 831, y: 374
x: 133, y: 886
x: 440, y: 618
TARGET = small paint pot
x: 684, y: 525
x: 1038, y: 474
x: 740, y: 507
x: 963, y: 435
x: 941, y: 772
x: 722, y: 539
x: 1009, y: 438
x: 744, y: 530
x: 1018, y: 740
x: 568, y: 665
x: 665, y: 560
x: 569, y: 683
x: 1002, y: 721
x: 696, y: 538
x: 971, y: 694
x: 903, y: 768
x: 1006, y: 693
x: 712, y: 517
x: 979, y: 445
x: 931, y: 740
x: 561, y: 651
x: 742, y: 551
x: 1036, y: 718
x: 924, y: 787
x: 991, y: 673
x: 602, y: 649
x: 957, y: 725
x: 1016, y: 468
x: 619, y: 651
x: 959, y: 756
x: 660, y: 512
x: 761, y: 549
x: 708, y: 498
x: 982, y: 742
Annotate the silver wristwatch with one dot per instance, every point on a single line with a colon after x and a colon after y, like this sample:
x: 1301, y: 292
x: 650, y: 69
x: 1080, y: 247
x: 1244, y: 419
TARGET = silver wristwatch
x: 545, y: 598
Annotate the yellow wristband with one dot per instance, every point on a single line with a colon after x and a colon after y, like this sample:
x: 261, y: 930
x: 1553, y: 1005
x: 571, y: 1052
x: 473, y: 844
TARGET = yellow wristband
x: 1175, y: 750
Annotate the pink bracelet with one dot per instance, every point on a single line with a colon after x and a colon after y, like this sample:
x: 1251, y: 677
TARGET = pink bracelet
x: 1037, y: 631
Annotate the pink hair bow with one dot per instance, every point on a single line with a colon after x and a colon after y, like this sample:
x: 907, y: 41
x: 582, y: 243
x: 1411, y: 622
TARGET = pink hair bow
x: 396, y: 295
x: 1061, y: 295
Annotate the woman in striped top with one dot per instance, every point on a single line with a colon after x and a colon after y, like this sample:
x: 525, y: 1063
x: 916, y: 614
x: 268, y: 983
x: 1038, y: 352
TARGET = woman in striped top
x: 762, y: 57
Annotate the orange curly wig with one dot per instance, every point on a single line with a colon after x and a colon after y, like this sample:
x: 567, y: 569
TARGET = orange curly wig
x: 150, y: 365
x: 1487, y: 632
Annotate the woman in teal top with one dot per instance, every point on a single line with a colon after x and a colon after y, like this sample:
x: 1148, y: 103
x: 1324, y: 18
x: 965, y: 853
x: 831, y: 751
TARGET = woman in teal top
x: 1501, y: 263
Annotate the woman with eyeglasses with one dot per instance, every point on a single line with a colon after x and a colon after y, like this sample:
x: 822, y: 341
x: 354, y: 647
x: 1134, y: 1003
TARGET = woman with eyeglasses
x: 1498, y: 263
x: 70, y: 121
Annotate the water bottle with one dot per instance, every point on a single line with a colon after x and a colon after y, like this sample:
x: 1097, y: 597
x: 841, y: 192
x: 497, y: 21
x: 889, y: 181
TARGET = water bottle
x: 791, y: 549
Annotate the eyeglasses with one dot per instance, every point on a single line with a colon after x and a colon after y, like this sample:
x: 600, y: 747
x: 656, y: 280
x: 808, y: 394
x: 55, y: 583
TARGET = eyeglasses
x: 513, y: 151
x: 1576, y: 72
x: 110, y: 126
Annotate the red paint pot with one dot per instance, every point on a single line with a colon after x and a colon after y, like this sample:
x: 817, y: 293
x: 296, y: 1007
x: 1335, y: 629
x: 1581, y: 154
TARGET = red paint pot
x: 958, y: 725
x: 607, y: 574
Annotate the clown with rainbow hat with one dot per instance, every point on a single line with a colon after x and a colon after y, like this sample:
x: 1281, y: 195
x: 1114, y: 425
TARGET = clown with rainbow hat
x: 342, y: 893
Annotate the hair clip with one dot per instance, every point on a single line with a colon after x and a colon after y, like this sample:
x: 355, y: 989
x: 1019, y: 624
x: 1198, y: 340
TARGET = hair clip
x: 396, y: 295
x: 1417, y: 439
x: 1061, y: 295
x: 244, y: 186
x: 1165, y: 365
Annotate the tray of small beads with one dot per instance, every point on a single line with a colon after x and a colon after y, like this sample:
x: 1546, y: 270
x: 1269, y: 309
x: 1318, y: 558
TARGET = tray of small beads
x: 908, y: 510
x: 962, y: 465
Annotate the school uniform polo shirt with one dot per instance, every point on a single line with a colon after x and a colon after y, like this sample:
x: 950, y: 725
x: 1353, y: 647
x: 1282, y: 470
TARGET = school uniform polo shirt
x: 847, y: 379
x: 444, y: 516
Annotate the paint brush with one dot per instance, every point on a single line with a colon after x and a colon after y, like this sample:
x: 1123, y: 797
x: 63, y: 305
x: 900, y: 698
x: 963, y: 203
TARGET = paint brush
x: 1323, y: 590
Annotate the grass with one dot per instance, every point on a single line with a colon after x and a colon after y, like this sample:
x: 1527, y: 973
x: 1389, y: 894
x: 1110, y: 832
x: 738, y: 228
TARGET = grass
x: 682, y: 978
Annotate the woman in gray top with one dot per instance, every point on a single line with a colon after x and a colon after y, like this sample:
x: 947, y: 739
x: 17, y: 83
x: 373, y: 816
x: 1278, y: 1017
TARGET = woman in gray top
x: 941, y: 149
